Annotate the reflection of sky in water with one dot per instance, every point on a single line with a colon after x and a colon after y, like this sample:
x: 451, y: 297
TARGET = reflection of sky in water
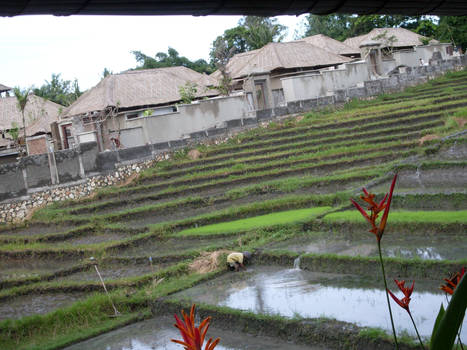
x: 424, y: 248
x: 299, y: 293
x: 155, y: 334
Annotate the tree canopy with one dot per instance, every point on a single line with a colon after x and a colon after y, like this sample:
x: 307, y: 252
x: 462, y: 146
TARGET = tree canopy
x: 453, y: 29
x: 171, y: 59
x: 251, y: 33
x: 63, y: 92
x: 340, y: 27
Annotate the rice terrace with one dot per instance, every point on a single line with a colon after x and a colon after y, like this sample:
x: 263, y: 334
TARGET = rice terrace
x: 280, y: 190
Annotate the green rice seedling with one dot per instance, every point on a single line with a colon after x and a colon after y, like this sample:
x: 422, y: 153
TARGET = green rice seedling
x: 273, y: 219
x: 403, y: 216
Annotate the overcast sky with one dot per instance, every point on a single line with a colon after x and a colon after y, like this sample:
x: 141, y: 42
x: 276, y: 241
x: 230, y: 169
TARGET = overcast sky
x: 34, y: 47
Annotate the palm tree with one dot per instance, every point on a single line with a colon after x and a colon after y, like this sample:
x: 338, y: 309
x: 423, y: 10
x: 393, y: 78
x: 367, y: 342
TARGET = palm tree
x: 22, y: 97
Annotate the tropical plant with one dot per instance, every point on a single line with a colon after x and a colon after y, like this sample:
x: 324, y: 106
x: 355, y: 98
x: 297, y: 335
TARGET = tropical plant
x: 378, y: 230
x: 193, y: 337
x: 188, y: 92
x: 449, y: 320
x: 14, y: 132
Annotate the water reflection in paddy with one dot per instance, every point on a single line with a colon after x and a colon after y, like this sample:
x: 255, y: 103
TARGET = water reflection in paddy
x: 155, y: 334
x: 427, y: 248
x: 294, y: 292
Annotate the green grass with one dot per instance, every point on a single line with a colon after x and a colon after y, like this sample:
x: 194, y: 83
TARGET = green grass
x: 274, y: 219
x: 403, y: 216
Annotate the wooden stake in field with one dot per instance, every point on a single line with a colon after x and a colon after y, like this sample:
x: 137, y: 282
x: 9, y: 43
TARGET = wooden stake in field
x: 94, y: 262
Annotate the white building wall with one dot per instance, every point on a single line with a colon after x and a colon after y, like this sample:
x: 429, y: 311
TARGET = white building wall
x: 190, y: 118
x: 324, y: 82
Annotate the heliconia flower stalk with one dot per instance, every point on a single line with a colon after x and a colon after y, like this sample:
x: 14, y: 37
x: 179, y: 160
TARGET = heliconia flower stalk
x: 452, y: 282
x: 378, y: 230
x: 404, y: 303
x: 375, y: 209
x: 193, y: 337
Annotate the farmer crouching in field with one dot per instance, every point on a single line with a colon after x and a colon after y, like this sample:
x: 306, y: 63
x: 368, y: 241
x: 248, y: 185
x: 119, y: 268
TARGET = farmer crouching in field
x: 237, y: 261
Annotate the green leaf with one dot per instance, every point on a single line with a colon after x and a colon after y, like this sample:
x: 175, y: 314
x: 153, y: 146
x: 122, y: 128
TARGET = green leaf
x: 438, y: 321
x: 447, y: 327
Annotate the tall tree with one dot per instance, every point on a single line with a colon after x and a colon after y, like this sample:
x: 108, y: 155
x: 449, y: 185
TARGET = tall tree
x: 341, y: 27
x: 22, y: 100
x: 251, y: 33
x: 63, y: 92
x: 335, y: 26
x: 170, y: 59
x: 453, y: 29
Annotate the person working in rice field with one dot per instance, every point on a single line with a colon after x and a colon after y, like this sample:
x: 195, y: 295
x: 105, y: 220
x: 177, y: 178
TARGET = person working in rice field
x: 237, y: 261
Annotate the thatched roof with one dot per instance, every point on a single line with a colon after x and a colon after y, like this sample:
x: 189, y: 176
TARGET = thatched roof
x: 331, y: 45
x: 232, y: 7
x: 39, y: 114
x: 4, y: 88
x: 238, y: 60
x: 137, y: 88
x: 403, y: 37
x: 273, y: 56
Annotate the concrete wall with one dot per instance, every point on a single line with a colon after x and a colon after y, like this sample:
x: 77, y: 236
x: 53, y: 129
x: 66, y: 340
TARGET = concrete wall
x: 323, y: 83
x: 37, y: 170
x: 11, y: 181
x: 132, y: 137
x: 412, y: 58
x: 190, y: 118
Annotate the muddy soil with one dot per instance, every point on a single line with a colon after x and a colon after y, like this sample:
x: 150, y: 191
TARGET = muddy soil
x: 174, y: 246
x: 113, y: 272
x: 36, y: 229
x: 437, y: 247
x: 297, y: 293
x: 155, y: 334
x: 448, y: 180
x: 32, y: 267
x: 28, y: 305
x: 97, y: 238
x: 220, y: 188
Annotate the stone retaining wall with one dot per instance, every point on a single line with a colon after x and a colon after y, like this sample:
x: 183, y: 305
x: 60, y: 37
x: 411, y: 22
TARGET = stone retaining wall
x: 19, y: 209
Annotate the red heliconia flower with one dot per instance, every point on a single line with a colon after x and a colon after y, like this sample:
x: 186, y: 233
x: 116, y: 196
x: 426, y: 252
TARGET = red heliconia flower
x: 193, y: 337
x: 375, y: 209
x: 405, y: 301
x: 452, y: 281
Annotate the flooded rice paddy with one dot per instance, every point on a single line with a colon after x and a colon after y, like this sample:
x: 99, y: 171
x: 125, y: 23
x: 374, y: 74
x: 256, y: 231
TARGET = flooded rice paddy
x: 155, y: 334
x: 299, y: 293
x: 111, y: 272
x: 410, y: 246
x: 28, y: 305
x: 30, y: 267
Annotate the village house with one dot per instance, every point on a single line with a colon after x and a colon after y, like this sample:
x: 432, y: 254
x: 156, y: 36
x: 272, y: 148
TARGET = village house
x: 142, y: 107
x: 399, y: 47
x: 121, y: 111
x: 39, y: 115
x: 259, y: 72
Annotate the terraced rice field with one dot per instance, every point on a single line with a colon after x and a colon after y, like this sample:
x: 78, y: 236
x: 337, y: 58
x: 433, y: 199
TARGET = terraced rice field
x: 281, y: 191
